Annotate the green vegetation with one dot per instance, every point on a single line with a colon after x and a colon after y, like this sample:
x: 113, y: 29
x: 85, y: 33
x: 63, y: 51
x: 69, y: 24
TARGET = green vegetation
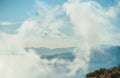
x: 105, y: 73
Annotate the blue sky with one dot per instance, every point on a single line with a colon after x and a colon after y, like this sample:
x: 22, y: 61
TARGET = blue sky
x: 14, y: 11
x: 18, y: 10
x: 107, y: 3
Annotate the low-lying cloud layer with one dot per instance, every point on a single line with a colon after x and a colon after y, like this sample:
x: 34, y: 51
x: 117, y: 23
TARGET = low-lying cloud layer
x: 90, y: 23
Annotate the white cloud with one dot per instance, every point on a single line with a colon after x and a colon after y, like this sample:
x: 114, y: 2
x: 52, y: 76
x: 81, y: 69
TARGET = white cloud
x: 94, y: 25
x: 6, y: 23
x: 43, y: 30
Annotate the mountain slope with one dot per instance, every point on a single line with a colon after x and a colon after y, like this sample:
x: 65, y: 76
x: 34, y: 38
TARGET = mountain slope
x: 105, y: 73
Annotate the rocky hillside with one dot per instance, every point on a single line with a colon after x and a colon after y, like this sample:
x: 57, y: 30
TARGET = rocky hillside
x: 105, y: 73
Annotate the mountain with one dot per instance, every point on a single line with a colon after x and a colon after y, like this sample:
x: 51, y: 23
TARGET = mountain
x: 59, y: 53
x: 47, y: 51
x: 105, y: 56
x: 105, y: 73
x: 65, y: 56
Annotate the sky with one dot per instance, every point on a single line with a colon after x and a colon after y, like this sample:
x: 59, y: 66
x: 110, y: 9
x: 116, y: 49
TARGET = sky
x: 17, y: 11
x: 83, y: 24
x: 13, y: 13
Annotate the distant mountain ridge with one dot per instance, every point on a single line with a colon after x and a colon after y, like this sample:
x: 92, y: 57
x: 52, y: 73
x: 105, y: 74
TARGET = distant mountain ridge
x: 65, y: 56
x: 48, y: 51
x: 59, y: 53
x: 106, y: 56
